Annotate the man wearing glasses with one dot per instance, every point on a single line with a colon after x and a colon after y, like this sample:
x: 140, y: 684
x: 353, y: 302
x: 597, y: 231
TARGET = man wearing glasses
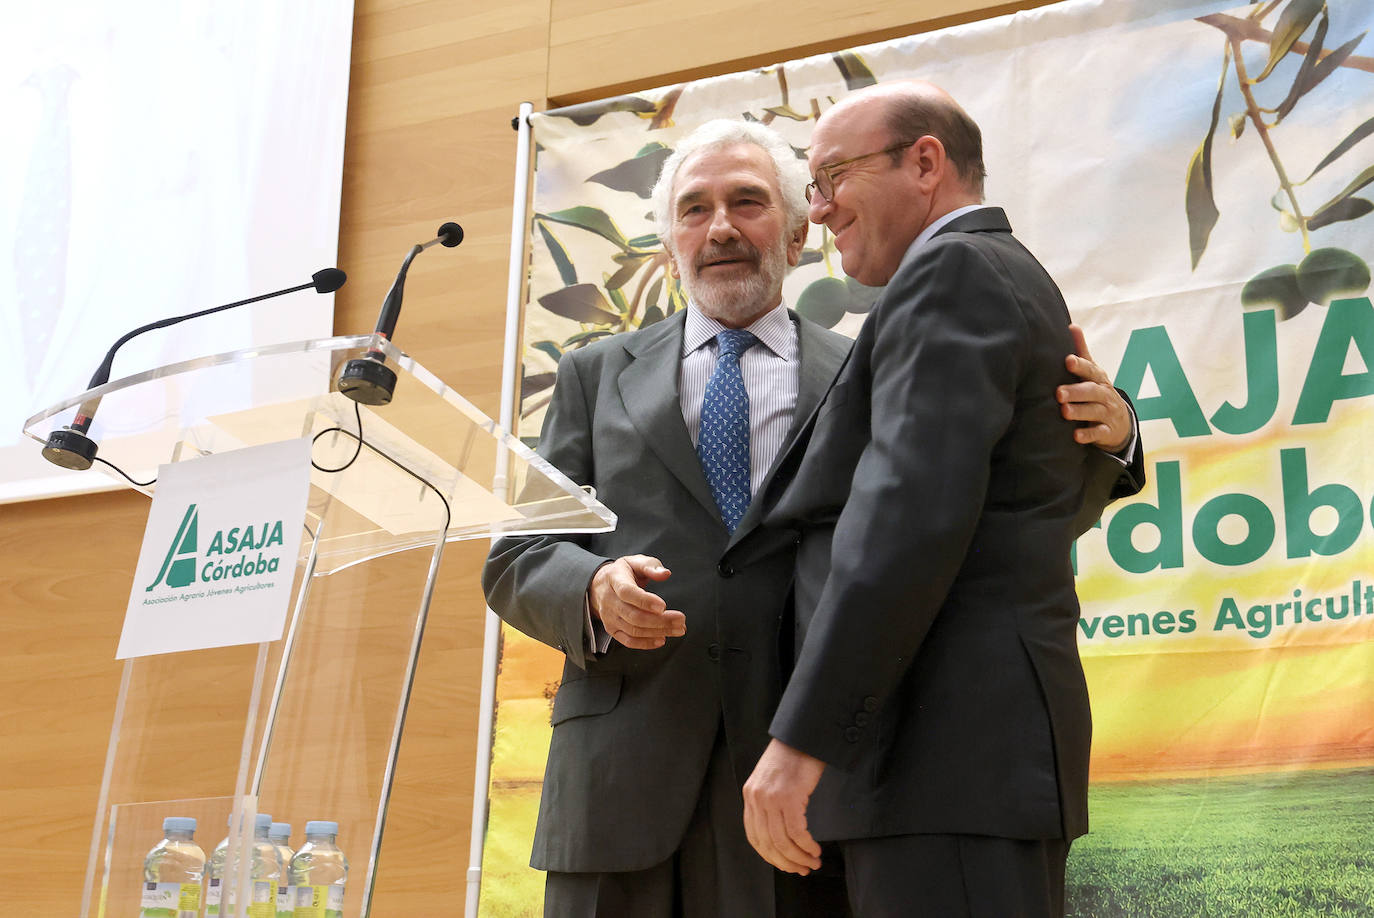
x: 672, y: 668
x: 936, y: 724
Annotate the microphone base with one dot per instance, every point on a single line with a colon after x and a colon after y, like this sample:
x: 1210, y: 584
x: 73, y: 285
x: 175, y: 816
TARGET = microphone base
x: 367, y: 381
x: 70, y: 449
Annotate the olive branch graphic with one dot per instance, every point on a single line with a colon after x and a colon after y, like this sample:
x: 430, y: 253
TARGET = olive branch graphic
x: 1324, y: 273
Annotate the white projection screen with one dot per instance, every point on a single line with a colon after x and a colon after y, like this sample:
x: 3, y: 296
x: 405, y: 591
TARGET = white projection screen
x: 160, y: 157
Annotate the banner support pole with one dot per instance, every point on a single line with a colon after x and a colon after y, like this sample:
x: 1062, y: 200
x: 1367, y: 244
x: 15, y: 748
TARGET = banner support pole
x: 510, y: 365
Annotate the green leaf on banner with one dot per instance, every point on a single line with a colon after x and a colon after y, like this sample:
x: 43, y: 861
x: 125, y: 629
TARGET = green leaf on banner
x: 1199, y: 203
x: 535, y: 383
x: 593, y: 219
x: 589, y: 112
x: 1345, y: 209
x: 652, y: 315
x: 628, y: 268
x: 647, y: 241
x: 637, y: 174
x: 855, y: 72
x: 1327, y: 65
x: 1361, y: 180
x: 618, y: 300
x: 581, y: 303
x: 548, y: 347
x: 787, y: 111
x: 654, y: 290
x: 1354, y: 137
x: 1293, y: 21
x: 585, y: 337
x: 1302, y: 83
x: 1202, y: 208
x: 559, y: 255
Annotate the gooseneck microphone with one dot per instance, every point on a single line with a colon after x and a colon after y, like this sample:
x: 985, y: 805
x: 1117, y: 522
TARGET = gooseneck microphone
x: 367, y: 379
x: 69, y: 446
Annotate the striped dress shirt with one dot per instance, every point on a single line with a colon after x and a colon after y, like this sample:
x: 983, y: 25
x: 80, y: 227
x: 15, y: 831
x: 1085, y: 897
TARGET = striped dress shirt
x: 771, y: 372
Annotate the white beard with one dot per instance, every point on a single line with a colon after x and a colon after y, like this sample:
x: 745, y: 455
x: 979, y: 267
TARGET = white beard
x: 737, y: 301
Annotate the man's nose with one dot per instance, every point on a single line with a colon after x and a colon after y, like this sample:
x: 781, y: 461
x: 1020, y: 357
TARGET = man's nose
x: 723, y: 229
x: 817, y: 208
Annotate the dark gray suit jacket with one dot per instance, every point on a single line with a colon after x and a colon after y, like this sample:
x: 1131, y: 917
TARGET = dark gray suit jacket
x: 939, y: 672
x: 633, y: 729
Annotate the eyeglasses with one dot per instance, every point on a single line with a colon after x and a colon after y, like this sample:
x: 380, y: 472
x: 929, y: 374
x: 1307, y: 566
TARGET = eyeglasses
x: 825, y: 179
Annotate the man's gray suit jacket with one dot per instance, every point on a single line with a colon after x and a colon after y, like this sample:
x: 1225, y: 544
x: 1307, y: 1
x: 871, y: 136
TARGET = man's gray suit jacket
x: 936, y: 504
x: 632, y: 729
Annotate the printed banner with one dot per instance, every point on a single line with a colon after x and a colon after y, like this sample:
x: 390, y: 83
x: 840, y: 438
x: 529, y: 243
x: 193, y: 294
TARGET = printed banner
x: 219, y: 552
x: 1196, y: 178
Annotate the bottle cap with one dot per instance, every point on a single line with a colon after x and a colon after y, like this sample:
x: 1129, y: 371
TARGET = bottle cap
x: 262, y: 822
x: 280, y: 830
x: 321, y: 827
x: 179, y: 824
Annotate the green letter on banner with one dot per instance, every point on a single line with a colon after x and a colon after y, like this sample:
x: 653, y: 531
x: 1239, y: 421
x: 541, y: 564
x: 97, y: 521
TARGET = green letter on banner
x: 1167, y: 518
x: 1150, y: 348
x: 1347, y: 322
x: 1299, y: 504
x: 1261, y: 377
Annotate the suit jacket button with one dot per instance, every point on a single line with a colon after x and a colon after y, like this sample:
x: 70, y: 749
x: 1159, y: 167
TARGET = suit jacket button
x: 870, y: 704
x: 861, y: 719
x: 725, y: 570
x: 852, y: 734
x: 713, y: 652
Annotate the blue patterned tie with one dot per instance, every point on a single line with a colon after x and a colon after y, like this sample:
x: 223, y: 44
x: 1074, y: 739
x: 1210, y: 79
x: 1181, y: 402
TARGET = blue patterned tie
x: 723, y: 443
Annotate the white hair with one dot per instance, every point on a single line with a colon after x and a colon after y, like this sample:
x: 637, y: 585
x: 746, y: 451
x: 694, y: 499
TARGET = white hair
x: 791, y: 172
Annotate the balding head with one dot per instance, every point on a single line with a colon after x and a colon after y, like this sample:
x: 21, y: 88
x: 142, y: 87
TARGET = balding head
x: 912, y: 109
x: 888, y: 161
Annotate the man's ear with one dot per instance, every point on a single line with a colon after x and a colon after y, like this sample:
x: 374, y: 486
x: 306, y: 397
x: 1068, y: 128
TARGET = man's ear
x: 796, y: 242
x: 926, y: 157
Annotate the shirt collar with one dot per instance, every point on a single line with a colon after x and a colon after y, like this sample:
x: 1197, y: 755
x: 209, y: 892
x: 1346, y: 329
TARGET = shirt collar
x: 773, y: 329
x: 935, y: 227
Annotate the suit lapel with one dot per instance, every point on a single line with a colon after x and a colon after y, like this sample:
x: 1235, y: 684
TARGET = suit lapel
x: 649, y: 391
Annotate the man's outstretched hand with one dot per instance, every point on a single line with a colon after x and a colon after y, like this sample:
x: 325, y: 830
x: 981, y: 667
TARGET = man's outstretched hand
x: 629, y: 613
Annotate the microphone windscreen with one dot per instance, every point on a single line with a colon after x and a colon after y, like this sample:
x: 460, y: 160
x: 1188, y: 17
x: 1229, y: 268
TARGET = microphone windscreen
x: 328, y: 280
x: 450, y: 234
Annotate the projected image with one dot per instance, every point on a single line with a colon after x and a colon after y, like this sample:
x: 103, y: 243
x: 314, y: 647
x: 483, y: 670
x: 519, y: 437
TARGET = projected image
x: 160, y: 159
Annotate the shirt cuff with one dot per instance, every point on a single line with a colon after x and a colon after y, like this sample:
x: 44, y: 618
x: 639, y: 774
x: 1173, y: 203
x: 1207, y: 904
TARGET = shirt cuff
x: 1126, y: 455
x: 594, y: 636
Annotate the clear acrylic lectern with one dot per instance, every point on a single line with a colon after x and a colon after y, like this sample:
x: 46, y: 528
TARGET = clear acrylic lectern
x: 306, y: 727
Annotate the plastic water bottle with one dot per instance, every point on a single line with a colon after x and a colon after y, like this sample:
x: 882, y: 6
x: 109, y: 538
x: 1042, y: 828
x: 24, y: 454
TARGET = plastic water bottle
x: 268, y: 873
x: 319, y: 872
x: 173, y: 872
x: 280, y: 836
x: 214, y: 876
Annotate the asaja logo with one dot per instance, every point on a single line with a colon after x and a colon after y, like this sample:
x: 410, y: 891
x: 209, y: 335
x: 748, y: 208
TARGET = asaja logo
x: 179, y: 566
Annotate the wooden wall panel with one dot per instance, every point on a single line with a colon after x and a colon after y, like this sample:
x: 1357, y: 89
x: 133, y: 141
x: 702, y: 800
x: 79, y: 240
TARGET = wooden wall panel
x: 434, y: 86
x: 605, y: 47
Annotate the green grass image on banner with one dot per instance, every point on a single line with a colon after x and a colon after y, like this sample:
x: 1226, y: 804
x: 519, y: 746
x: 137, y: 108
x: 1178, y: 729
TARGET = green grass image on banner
x: 1283, y: 845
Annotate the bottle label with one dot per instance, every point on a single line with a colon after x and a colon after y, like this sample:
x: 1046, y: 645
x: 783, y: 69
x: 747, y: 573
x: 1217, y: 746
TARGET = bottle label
x: 319, y: 902
x: 286, y: 895
x: 264, y: 899
x: 171, y: 900
x: 212, y: 898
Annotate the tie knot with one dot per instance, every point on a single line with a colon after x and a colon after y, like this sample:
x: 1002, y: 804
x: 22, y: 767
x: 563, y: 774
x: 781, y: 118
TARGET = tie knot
x: 735, y: 341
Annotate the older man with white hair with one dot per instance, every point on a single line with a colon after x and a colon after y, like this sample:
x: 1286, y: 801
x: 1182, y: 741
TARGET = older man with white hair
x: 672, y: 667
